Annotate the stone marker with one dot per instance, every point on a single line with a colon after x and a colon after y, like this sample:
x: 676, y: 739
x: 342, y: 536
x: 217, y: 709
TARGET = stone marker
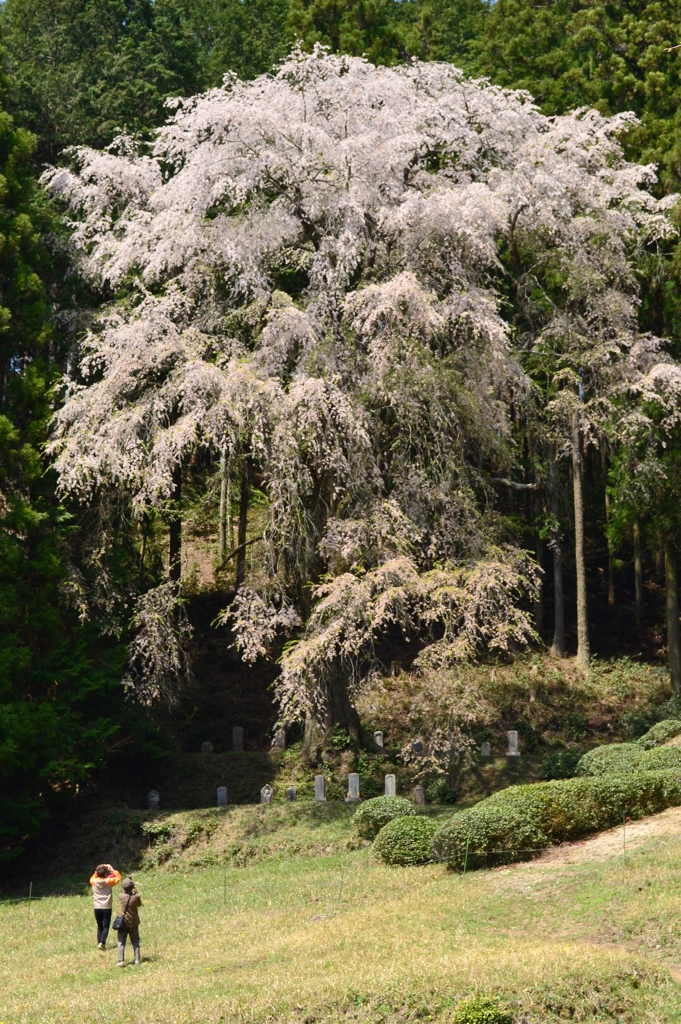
x: 378, y: 739
x: 513, y: 744
x: 207, y: 747
x: 222, y: 796
x: 485, y: 749
x: 390, y: 787
x: 238, y: 738
x: 153, y: 800
x: 417, y: 747
x: 533, y: 695
x: 319, y: 788
x: 419, y: 795
x: 291, y: 793
x: 353, y: 789
x: 279, y: 741
x: 395, y: 668
x: 266, y: 794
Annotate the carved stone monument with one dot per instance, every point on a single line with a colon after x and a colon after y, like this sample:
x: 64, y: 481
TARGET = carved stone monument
x: 353, y: 789
x: 222, y: 796
x: 485, y: 749
x: 207, y: 747
x: 279, y: 741
x: 319, y: 788
x: 419, y: 796
x: 390, y: 785
x: 238, y: 738
x: 513, y: 744
x: 266, y: 794
x: 153, y: 800
x: 291, y: 793
x: 378, y: 739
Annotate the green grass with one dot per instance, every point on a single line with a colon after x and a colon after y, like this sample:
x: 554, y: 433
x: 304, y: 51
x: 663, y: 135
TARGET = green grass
x: 339, y: 935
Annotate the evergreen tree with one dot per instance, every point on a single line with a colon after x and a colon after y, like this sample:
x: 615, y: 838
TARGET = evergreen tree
x: 53, y: 721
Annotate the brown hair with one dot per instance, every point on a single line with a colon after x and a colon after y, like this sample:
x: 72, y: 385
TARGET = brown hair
x: 102, y: 871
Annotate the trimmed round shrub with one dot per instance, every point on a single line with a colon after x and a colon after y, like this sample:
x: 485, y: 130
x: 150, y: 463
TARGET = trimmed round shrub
x: 661, y: 759
x: 372, y: 815
x: 612, y: 758
x: 469, y: 838
x: 660, y: 733
x: 561, y: 765
x: 481, y: 1011
x: 561, y: 811
x: 406, y: 840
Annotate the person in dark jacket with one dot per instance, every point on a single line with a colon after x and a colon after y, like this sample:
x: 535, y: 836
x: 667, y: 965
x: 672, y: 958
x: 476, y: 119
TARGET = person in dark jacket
x: 130, y: 903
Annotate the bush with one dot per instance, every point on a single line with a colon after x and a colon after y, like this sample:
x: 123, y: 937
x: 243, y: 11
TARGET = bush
x: 372, y: 815
x: 660, y: 733
x: 406, y: 840
x: 555, y: 812
x: 661, y: 759
x: 561, y: 765
x: 469, y: 837
x: 481, y: 1011
x: 612, y: 758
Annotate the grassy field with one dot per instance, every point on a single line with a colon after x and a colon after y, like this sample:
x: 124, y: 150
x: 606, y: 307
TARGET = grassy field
x: 339, y: 936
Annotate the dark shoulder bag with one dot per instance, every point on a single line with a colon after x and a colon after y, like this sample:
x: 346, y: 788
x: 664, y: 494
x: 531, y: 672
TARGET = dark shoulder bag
x: 120, y: 920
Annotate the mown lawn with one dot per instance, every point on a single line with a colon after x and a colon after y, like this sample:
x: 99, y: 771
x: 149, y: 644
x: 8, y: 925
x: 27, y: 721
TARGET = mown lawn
x: 316, y: 939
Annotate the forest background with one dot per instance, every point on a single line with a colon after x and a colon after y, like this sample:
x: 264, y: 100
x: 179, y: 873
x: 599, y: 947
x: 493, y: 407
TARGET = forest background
x: 78, y: 73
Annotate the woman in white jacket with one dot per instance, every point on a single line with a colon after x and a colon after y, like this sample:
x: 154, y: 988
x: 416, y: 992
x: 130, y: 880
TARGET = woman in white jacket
x: 102, y: 882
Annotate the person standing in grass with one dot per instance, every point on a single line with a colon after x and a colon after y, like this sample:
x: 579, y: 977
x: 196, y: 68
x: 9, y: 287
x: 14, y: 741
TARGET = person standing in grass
x: 102, y: 882
x: 130, y: 901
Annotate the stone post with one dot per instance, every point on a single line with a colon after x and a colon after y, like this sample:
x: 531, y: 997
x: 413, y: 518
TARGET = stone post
x: 390, y: 785
x: 222, y: 796
x: 238, y: 738
x: 319, y: 788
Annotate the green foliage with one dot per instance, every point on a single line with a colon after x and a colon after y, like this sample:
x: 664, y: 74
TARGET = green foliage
x: 481, y: 1011
x: 661, y: 758
x: 584, y: 52
x: 406, y: 840
x: 483, y: 830
x: 561, y: 765
x: 372, y: 815
x: 660, y: 733
x: 612, y: 757
x: 340, y: 738
x: 554, y: 812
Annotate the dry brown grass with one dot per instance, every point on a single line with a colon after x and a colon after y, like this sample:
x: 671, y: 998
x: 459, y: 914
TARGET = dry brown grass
x: 343, y: 936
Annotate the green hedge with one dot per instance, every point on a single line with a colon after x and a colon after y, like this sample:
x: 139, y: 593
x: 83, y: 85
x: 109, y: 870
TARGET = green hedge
x: 612, y: 758
x: 661, y: 759
x: 530, y: 817
x: 469, y: 837
x: 660, y: 733
x: 372, y: 815
x: 406, y: 840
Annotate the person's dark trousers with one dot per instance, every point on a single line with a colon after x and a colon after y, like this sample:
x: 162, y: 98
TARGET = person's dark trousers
x: 103, y: 919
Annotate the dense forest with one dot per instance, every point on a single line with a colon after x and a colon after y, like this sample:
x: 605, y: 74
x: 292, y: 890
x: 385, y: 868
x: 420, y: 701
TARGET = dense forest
x: 333, y: 357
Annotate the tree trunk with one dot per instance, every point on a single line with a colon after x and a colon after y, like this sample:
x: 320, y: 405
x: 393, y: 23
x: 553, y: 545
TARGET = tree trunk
x: 539, y: 555
x: 583, y: 652
x: 673, y: 631
x: 223, y: 513
x: 558, y: 645
x: 243, y: 524
x: 611, y: 577
x: 175, y: 546
x: 638, y: 578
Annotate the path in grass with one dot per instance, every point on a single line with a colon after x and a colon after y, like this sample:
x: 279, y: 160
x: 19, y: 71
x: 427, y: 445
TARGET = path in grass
x: 344, y: 936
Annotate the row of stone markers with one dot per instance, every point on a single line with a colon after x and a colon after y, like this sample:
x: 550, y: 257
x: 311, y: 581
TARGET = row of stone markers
x: 278, y: 742
x: 513, y: 751
x: 353, y: 797
x: 267, y: 792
